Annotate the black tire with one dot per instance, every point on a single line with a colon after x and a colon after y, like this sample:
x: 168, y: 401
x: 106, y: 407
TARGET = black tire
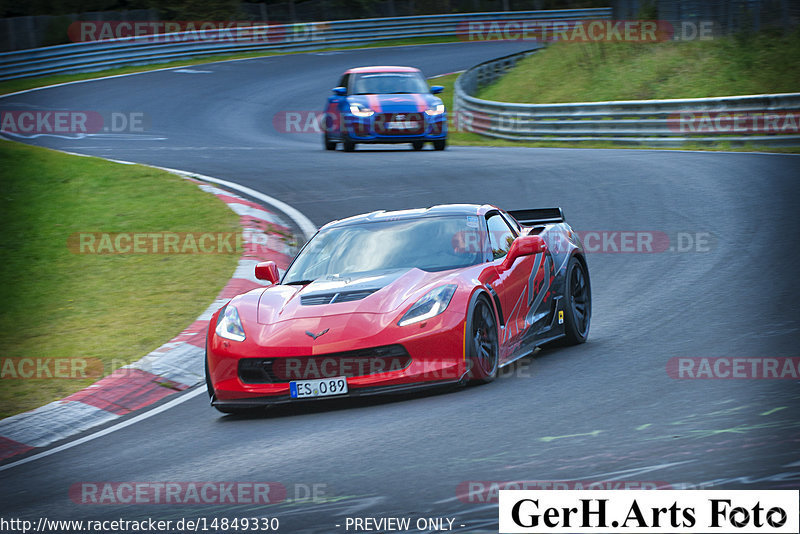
x: 483, y: 349
x: 329, y: 145
x: 577, y: 303
x: 440, y: 144
x: 417, y: 145
x: 349, y: 146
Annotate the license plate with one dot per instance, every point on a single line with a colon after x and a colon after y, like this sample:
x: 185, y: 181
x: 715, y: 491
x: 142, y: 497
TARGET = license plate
x: 402, y: 125
x: 324, y: 387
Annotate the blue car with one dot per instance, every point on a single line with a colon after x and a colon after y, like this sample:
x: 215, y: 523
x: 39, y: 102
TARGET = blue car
x: 384, y: 105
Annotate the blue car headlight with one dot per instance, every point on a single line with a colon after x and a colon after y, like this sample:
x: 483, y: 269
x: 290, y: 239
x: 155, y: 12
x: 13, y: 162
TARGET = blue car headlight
x: 360, y: 110
x: 229, y: 325
x: 430, y: 305
x: 437, y: 109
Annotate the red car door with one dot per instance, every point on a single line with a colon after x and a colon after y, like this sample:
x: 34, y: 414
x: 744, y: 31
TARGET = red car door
x: 522, y: 287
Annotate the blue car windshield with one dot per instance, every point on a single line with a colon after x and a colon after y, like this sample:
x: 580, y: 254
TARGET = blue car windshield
x: 371, y: 83
x: 428, y: 243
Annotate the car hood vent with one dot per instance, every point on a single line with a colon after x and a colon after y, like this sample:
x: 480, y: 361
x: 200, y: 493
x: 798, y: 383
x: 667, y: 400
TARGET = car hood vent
x: 339, y: 296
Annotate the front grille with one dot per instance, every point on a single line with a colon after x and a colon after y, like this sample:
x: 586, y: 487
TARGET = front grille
x: 399, y: 124
x: 351, y: 363
x: 339, y: 296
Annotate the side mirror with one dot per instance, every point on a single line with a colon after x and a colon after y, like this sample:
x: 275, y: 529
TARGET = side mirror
x: 340, y: 91
x: 267, y: 270
x: 524, y: 246
x: 436, y: 89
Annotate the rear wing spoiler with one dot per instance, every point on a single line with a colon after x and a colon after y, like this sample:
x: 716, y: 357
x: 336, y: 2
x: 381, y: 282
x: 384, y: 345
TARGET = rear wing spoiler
x: 538, y: 216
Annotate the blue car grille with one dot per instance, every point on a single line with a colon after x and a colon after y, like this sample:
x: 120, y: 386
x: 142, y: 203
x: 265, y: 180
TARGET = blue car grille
x: 400, y: 124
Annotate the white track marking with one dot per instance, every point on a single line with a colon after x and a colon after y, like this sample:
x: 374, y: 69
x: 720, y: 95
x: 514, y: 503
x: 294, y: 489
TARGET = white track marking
x: 86, y: 80
x: 301, y: 220
x: 193, y: 71
x: 192, y: 393
x: 78, y: 136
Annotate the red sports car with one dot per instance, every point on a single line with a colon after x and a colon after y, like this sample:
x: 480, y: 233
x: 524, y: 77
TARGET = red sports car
x: 392, y: 301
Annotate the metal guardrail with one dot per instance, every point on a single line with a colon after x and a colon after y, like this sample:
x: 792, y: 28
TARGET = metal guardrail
x: 772, y: 119
x: 99, y: 55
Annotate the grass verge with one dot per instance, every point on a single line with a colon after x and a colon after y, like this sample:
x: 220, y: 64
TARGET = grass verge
x: 593, y: 72
x: 744, y: 64
x: 116, y: 308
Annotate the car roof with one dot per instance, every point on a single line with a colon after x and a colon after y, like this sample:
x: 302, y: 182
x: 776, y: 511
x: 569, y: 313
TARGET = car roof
x: 419, y: 213
x: 383, y: 68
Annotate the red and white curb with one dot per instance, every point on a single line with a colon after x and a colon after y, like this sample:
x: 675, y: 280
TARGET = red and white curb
x: 171, y: 368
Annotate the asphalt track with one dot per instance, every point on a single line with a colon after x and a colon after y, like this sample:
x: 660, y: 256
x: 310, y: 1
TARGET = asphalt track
x: 606, y: 410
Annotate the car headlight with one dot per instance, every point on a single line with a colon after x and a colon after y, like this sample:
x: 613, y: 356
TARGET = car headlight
x: 438, y: 109
x: 430, y: 305
x: 229, y: 325
x: 360, y: 110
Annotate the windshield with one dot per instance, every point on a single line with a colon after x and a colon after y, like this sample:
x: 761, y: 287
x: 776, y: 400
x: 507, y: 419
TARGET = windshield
x: 388, y: 83
x: 430, y: 244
